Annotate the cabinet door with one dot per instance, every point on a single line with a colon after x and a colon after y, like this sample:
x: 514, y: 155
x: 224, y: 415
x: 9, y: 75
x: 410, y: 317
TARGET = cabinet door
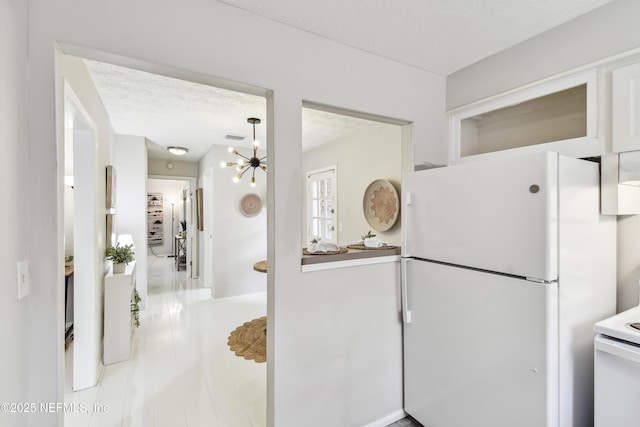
x: 626, y: 108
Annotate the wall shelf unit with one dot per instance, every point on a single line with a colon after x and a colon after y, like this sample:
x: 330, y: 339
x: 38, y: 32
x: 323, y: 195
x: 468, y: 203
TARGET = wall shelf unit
x: 118, y: 319
x: 559, y: 115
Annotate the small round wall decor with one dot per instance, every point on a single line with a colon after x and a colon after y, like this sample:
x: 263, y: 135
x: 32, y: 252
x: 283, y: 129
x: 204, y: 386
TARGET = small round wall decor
x: 250, y: 205
x: 381, y: 205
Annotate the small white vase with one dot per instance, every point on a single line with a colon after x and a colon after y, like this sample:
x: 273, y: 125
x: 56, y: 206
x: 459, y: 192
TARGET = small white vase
x: 119, y: 268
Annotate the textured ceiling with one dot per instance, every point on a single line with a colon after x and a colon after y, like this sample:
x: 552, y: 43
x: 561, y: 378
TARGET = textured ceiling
x: 170, y: 111
x: 441, y: 36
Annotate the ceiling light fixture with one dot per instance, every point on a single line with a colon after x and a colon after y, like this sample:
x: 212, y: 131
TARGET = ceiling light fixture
x: 178, y: 151
x: 245, y: 163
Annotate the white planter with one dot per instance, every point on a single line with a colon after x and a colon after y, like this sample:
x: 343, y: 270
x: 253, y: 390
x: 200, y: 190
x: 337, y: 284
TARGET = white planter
x: 119, y: 268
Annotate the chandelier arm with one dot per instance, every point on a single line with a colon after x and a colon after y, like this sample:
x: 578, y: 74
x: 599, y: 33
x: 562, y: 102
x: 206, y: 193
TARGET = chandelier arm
x: 263, y: 158
x: 246, y: 158
x: 243, y: 171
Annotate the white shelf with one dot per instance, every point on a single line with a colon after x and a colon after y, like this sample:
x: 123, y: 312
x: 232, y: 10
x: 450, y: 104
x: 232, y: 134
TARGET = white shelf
x: 118, y: 322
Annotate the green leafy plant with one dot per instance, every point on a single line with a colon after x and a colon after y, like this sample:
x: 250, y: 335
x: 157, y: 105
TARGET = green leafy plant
x: 135, y: 308
x: 315, y: 240
x: 68, y: 259
x: 368, y: 235
x: 120, y: 254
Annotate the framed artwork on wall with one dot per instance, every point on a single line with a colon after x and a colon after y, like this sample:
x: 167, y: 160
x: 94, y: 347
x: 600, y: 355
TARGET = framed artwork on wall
x: 199, y: 210
x: 111, y: 230
x: 111, y: 189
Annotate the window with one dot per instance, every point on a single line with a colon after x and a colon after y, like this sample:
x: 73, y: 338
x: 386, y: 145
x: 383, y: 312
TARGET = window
x: 322, y: 208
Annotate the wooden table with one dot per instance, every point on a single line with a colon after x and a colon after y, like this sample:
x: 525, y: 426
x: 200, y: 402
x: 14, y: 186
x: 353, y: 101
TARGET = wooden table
x: 260, y: 266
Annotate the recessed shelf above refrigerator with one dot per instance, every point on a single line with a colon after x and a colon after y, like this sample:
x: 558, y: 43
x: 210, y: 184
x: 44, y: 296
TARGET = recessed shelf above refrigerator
x: 559, y: 115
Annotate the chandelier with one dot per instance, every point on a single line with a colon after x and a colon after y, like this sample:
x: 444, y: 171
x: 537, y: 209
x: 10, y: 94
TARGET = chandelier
x: 245, y: 163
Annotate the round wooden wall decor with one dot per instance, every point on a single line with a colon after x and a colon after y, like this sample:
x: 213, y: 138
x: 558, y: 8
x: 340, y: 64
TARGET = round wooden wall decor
x: 250, y: 205
x: 381, y: 205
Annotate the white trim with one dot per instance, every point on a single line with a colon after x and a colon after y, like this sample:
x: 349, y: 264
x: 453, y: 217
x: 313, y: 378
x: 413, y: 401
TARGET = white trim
x: 311, y: 105
x: 389, y: 419
x: 322, y: 170
x: 193, y: 246
x: 237, y: 297
x: 527, y: 93
x: 555, y: 83
x: 306, y: 268
x: 326, y: 169
x: 575, y: 147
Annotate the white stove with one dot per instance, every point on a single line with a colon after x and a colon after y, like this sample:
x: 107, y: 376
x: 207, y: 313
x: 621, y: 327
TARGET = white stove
x: 617, y: 370
x: 624, y: 326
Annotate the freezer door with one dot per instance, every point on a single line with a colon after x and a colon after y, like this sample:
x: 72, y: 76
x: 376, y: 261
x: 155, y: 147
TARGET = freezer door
x: 497, y: 215
x: 480, y: 349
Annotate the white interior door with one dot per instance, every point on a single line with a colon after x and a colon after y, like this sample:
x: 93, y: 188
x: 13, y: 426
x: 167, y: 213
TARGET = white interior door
x: 480, y: 349
x: 207, y: 257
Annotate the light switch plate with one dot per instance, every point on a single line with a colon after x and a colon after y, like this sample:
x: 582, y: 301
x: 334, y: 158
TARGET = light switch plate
x: 24, y: 278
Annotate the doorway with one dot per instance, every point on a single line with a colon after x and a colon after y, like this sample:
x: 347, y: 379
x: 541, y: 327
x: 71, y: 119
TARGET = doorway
x: 105, y: 153
x: 175, y: 236
x: 82, y: 288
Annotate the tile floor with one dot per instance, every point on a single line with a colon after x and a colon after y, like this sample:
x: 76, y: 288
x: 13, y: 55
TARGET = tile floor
x: 181, y: 371
x: 406, y: 422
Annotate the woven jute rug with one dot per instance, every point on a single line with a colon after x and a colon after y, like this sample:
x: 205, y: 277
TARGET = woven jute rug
x: 250, y: 340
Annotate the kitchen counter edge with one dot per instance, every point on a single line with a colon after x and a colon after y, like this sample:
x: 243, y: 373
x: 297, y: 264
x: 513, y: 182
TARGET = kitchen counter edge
x: 354, y: 257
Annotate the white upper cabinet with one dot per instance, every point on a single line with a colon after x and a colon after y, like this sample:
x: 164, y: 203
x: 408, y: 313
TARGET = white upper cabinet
x: 626, y: 108
x: 557, y: 115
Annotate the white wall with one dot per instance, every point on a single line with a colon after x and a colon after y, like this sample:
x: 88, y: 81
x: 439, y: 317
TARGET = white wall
x: 198, y: 39
x: 606, y: 31
x: 179, y: 168
x: 609, y: 30
x: 131, y: 201
x: 21, y: 335
x: 361, y: 158
x: 353, y: 345
x: 68, y: 220
x: 238, y: 241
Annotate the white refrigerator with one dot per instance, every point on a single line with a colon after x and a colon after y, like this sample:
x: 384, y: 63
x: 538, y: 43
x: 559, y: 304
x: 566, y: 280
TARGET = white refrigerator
x: 506, y: 266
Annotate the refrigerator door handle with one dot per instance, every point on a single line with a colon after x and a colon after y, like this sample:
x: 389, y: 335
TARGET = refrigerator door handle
x: 406, y: 314
x: 405, y: 220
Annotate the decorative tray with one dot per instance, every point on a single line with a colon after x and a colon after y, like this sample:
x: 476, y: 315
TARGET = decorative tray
x: 368, y: 248
x: 341, y: 250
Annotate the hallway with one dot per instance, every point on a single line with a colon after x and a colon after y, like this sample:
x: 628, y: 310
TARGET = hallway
x: 181, y: 371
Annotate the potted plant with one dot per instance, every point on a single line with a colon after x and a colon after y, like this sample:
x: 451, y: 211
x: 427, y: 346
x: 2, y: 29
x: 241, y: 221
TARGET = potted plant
x: 183, y: 224
x: 120, y: 256
x: 135, y: 308
x: 68, y: 261
x: 368, y: 235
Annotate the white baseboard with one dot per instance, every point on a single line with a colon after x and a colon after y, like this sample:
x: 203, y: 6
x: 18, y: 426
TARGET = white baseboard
x: 389, y: 419
x: 239, y: 297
